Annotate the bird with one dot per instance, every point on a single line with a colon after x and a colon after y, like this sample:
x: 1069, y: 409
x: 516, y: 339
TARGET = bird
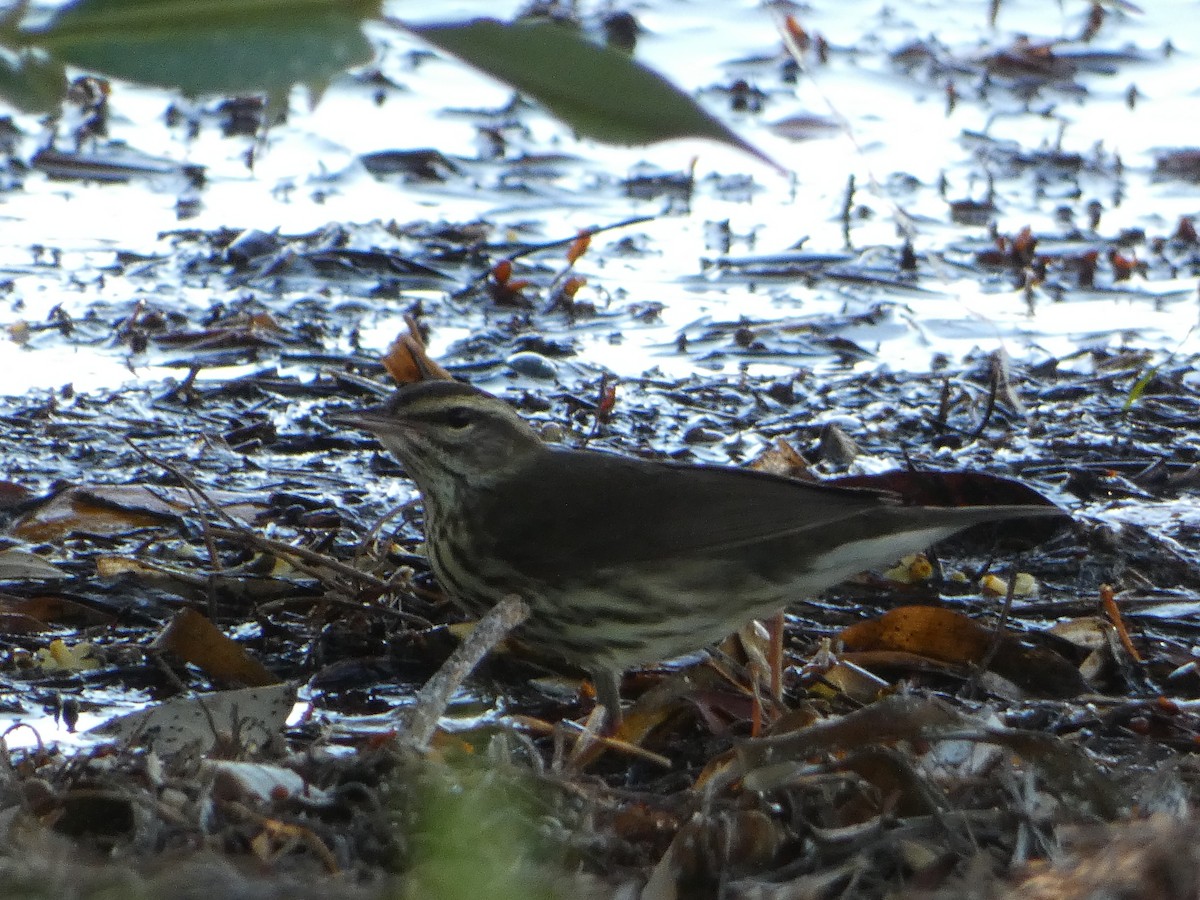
x: 627, y: 561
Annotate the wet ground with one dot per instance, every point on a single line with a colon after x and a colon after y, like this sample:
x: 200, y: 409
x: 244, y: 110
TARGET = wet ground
x: 986, y: 261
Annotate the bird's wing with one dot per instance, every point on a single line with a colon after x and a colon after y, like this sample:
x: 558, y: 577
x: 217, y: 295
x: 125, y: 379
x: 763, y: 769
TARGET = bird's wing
x: 594, y: 511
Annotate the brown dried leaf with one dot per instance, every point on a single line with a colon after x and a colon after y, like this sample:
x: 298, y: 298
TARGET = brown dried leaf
x: 407, y: 361
x: 783, y: 459
x: 948, y: 636
x: 48, y: 610
x: 18, y: 564
x: 106, y: 510
x: 194, y: 639
x: 925, y: 630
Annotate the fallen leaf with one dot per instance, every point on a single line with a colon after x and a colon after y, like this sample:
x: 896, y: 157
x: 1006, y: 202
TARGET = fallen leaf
x: 19, y: 564
x: 106, y: 510
x: 251, y: 716
x: 194, y: 639
x: 62, y: 657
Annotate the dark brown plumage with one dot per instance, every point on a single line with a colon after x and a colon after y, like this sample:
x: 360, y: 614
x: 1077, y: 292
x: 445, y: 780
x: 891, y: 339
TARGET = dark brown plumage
x: 625, y: 561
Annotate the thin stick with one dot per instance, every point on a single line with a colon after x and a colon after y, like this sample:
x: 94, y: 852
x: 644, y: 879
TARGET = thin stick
x: 420, y: 720
x: 531, y: 249
x: 998, y: 630
x: 1109, y: 603
x: 302, y: 555
x: 309, y: 561
x: 776, y: 626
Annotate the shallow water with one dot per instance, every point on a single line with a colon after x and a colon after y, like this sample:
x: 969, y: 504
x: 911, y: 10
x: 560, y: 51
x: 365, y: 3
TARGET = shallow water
x: 899, y: 140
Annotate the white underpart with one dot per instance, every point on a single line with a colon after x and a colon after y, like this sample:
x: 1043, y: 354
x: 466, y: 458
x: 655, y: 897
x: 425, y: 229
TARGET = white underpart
x: 852, y: 558
x: 691, y: 628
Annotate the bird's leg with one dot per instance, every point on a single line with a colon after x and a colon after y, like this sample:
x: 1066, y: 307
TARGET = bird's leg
x: 608, y: 694
x: 775, y: 628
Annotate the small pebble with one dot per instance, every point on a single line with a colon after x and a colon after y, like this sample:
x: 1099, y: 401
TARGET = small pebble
x: 699, y: 434
x: 837, y: 447
x: 533, y: 365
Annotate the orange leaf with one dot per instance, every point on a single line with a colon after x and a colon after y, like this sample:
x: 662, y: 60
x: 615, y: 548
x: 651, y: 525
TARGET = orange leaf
x: 1108, y: 601
x: 579, y: 246
x: 407, y: 361
x: 502, y: 271
x: 950, y: 637
x: 195, y: 639
x: 930, y: 631
x: 48, y: 609
x: 572, y: 285
x: 797, y: 33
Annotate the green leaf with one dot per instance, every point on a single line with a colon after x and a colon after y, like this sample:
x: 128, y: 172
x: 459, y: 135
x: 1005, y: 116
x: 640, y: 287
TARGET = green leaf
x: 32, y: 84
x: 1139, y: 388
x: 601, y: 93
x: 211, y: 46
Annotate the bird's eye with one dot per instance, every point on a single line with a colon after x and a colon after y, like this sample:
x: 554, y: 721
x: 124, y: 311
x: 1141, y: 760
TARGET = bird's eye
x: 459, y: 417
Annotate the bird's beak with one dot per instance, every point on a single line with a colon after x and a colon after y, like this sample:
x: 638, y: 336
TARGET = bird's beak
x: 374, y: 419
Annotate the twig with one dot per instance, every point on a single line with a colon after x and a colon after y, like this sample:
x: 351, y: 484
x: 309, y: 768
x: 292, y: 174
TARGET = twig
x: 198, y: 495
x: 420, y: 720
x: 372, y: 533
x: 307, y: 560
x: 567, y: 728
x: 1109, y: 603
x: 188, y: 483
x: 998, y: 629
x: 531, y: 249
x: 993, y: 391
x: 182, y: 690
x: 847, y: 213
x: 411, y: 619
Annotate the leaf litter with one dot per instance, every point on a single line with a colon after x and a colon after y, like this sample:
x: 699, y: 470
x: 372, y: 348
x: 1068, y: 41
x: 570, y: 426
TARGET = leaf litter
x: 990, y: 741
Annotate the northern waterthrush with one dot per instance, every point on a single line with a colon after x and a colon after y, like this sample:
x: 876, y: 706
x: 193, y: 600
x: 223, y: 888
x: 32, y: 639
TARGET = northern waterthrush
x: 625, y: 561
